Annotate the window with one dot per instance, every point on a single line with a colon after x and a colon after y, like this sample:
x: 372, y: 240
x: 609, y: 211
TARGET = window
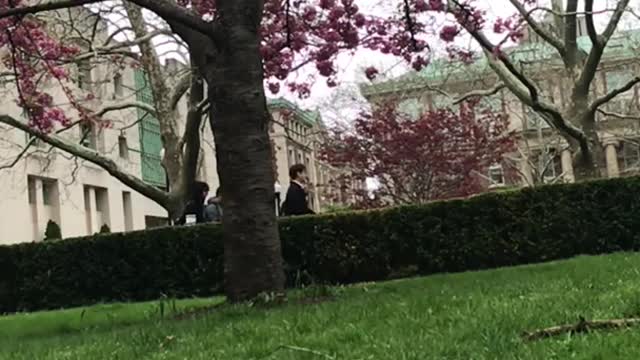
x: 411, y: 108
x: 44, y: 203
x: 117, y: 85
x: 616, y: 79
x: 97, y: 210
x: 548, y: 91
x: 88, y: 135
x: 496, y: 174
x: 492, y: 104
x: 127, y: 211
x: 84, y: 75
x: 48, y: 193
x: 620, y: 106
x: 440, y: 102
x: 123, y: 147
x: 548, y: 166
x: 534, y: 120
x: 31, y: 185
x: 629, y: 155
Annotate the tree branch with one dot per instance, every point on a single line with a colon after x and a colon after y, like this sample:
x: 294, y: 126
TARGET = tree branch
x: 611, y: 95
x: 571, y: 33
x: 591, y: 28
x: 521, y: 86
x: 479, y: 93
x: 191, y: 138
x: 47, y: 6
x: 582, y: 326
x: 94, y: 157
x: 19, y: 156
x: 591, y: 66
x: 166, y: 9
x: 120, y: 45
x: 618, y: 115
x: 125, y: 105
x: 548, y: 36
x: 151, y: 64
x: 179, y: 89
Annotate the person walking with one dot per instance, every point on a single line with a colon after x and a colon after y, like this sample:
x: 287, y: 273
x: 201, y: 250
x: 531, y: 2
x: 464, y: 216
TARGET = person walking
x: 296, y: 202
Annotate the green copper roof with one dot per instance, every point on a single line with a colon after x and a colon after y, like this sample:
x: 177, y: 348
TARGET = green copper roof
x: 311, y: 118
x: 624, y: 44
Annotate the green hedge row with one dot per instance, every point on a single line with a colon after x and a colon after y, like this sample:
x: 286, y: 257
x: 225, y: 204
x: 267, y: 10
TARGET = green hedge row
x: 492, y: 230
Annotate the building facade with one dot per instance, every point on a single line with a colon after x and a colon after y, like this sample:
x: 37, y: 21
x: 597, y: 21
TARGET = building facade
x: 297, y: 137
x: 41, y: 184
x: 542, y: 156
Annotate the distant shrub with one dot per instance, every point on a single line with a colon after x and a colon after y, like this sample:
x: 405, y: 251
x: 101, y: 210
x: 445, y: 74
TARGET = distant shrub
x: 52, y: 232
x: 104, y: 229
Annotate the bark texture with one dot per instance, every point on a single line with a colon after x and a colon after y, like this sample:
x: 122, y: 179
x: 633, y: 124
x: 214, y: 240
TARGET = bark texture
x: 232, y: 67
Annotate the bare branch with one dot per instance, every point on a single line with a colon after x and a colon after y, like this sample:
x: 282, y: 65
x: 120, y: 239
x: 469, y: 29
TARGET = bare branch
x: 548, y: 36
x: 612, y: 94
x: 19, y: 156
x: 521, y: 86
x: 582, y: 326
x: 591, y: 28
x: 94, y: 157
x: 479, y: 93
x: 125, y: 105
x: 571, y: 33
x: 120, y: 45
x: 618, y: 116
x: 179, y: 89
x: 591, y: 66
x: 166, y: 9
x: 47, y: 6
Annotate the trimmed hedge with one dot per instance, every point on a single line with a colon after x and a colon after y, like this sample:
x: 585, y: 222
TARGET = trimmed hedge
x: 487, y: 231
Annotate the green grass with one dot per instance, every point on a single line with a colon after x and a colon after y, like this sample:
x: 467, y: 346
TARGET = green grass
x: 461, y: 316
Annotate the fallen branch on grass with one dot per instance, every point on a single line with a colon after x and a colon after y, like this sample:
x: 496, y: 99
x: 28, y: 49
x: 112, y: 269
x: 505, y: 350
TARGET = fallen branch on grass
x: 303, y: 350
x: 581, y: 327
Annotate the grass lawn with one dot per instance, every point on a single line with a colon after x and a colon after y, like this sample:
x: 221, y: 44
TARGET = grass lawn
x: 461, y: 316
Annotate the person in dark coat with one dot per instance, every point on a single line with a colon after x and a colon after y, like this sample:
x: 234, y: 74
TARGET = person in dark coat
x: 296, y: 201
x: 195, y: 205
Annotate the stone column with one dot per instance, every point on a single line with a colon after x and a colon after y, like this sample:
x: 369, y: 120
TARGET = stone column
x: 567, y: 166
x: 611, y: 155
x: 94, y: 225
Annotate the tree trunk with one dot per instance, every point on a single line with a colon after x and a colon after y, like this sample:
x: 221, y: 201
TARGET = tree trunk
x: 589, y: 163
x: 240, y: 122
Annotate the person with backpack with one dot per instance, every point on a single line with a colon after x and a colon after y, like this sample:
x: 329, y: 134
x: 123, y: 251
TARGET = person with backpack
x: 213, y: 210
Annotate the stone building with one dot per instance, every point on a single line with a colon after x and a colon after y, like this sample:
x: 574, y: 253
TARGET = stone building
x: 297, y: 136
x: 542, y: 156
x: 39, y: 183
